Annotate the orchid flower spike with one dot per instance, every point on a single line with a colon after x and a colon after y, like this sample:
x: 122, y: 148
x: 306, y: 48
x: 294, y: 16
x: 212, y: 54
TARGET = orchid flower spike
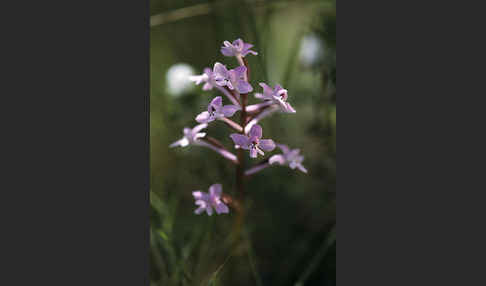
x: 217, y: 110
x: 253, y: 142
x: 207, y: 77
x: 277, y: 95
x: 233, y: 79
x: 191, y: 136
x: 208, y: 201
x: 289, y: 157
x: 237, y: 49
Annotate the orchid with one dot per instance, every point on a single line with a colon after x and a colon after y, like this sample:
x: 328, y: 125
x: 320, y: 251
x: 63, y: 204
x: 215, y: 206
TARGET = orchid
x: 253, y: 142
x: 207, y: 77
x: 238, y: 49
x: 209, y: 83
x: 276, y: 95
x: 233, y: 79
x: 191, y: 136
x: 289, y: 157
x: 216, y: 110
x: 235, y: 85
x: 208, y: 201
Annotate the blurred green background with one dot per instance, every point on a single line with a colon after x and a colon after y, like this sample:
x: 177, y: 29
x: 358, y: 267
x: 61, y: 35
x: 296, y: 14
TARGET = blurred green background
x: 289, y: 232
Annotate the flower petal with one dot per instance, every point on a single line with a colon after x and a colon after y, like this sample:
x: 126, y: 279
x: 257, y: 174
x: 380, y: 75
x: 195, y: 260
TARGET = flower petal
x: 277, y: 159
x: 244, y: 87
x: 204, y: 117
x: 302, y: 168
x: 227, y: 51
x: 238, y: 43
x: 198, y: 195
x: 282, y: 104
x: 217, y: 102
x: 182, y: 142
x: 229, y: 85
x: 266, y: 89
x: 256, y: 131
x: 199, y: 210
x: 292, y: 165
x: 220, y: 70
x: 247, y: 46
x: 253, y: 153
x: 198, y: 78
x: 259, y: 96
x: 215, y: 190
x: 289, y: 108
x: 246, y: 52
x: 207, y: 86
x: 199, y: 135
x: 208, y: 71
x: 260, y: 151
x: 221, y: 208
x: 209, y: 210
x: 240, y: 140
x: 293, y: 153
x: 229, y: 110
x: 267, y: 145
x: 239, y: 72
x: 284, y: 148
x: 198, y: 128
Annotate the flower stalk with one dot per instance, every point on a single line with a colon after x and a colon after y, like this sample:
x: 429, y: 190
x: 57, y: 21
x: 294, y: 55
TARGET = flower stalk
x: 228, y: 94
x: 232, y: 124
x: 221, y: 151
x: 240, y: 176
x: 257, y: 168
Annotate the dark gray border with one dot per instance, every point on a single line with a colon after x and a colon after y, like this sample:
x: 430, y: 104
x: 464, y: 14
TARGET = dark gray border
x: 411, y: 152
x: 75, y: 185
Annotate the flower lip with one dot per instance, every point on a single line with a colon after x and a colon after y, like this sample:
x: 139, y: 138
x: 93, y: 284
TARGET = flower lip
x: 276, y: 95
x: 216, y: 110
x: 253, y: 142
x: 233, y: 79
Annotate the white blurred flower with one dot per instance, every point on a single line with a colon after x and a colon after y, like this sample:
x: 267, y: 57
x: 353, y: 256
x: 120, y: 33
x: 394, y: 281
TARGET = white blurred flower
x: 178, y: 79
x: 311, y: 50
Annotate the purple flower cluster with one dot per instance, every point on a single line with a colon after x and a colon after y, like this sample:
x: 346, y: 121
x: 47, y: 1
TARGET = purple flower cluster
x: 237, y: 49
x: 253, y: 142
x: 288, y: 157
x: 235, y: 86
x: 217, y: 110
x: 233, y: 79
x: 276, y: 95
x: 209, y: 201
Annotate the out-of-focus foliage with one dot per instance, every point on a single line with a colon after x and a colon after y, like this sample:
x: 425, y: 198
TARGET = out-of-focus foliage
x: 288, y: 237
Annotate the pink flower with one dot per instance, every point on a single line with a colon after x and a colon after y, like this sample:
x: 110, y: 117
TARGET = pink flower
x: 191, y: 136
x: 289, y: 157
x: 207, y: 77
x: 208, y: 201
x: 253, y: 142
x: 277, y: 95
x: 237, y: 49
x: 233, y: 79
x: 217, y: 110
